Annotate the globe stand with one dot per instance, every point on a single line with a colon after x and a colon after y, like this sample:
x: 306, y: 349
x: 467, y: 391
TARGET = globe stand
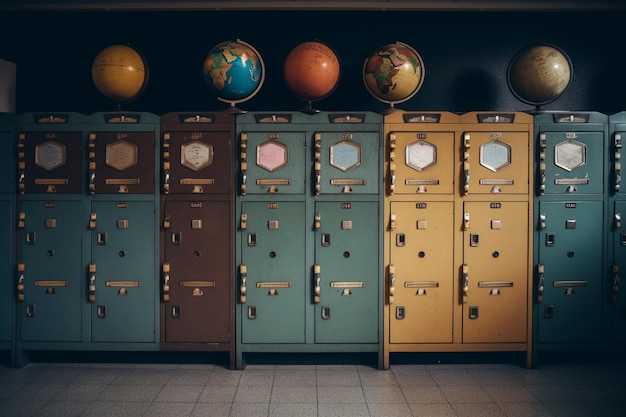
x: 234, y: 109
x: 389, y: 110
x: 309, y: 108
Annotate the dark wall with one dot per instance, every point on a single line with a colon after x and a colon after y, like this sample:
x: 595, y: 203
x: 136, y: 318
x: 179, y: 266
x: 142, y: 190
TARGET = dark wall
x: 466, y: 55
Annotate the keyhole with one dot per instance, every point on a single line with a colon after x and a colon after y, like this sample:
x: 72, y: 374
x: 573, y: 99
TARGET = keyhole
x: 272, y: 254
x: 495, y: 254
x: 346, y: 254
x: 421, y: 254
x: 50, y: 252
x: 570, y: 254
x: 196, y: 254
x: 121, y: 253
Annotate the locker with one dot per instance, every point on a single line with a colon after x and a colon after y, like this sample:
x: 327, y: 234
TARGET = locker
x: 122, y: 272
x: 421, y: 272
x: 495, y: 271
x: 571, y: 273
x: 196, y: 243
x: 308, y: 212
x: 50, y: 274
x: 570, y: 256
x: 272, y: 272
x: 348, y: 276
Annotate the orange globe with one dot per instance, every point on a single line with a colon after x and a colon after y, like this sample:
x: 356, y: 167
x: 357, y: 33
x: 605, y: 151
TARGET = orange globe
x: 312, y: 70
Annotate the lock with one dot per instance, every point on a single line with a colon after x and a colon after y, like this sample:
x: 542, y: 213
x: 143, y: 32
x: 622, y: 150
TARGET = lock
x: 400, y: 313
x: 473, y: 312
x: 325, y: 313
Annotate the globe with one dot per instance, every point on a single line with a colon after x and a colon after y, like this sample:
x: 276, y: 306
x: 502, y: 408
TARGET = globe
x: 312, y: 71
x: 393, y: 73
x: 539, y: 74
x: 234, y: 71
x: 120, y: 73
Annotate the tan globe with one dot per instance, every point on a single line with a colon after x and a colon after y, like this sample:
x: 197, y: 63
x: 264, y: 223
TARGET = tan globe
x: 539, y: 74
x: 393, y: 73
x: 120, y: 73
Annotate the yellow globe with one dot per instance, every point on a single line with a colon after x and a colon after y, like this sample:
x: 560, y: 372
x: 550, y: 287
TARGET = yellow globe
x: 120, y: 73
x: 539, y: 74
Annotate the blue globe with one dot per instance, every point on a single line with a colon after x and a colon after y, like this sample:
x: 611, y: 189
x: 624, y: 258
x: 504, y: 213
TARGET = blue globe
x: 234, y: 71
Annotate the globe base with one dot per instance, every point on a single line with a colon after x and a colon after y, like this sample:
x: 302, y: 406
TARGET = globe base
x: 309, y: 108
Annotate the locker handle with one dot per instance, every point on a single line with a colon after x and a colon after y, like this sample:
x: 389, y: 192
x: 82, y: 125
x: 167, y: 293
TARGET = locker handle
x: 618, y: 220
x: 541, y: 284
x: 102, y: 238
x: 243, y: 272
x: 31, y: 238
x: 465, y: 289
x: 317, y: 283
x: 166, y: 282
x: 616, y: 282
x: 177, y: 238
x: 392, y: 283
x: 20, y: 281
x: 92, y: 282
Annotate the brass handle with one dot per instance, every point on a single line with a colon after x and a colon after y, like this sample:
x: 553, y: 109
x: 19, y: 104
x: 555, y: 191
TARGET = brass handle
x: 243, y: 272
x: 317, y: 286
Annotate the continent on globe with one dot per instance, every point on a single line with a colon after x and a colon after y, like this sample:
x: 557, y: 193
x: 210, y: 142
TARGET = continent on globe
x: 393, y: 73
x: 234, y: 71
x: 312, y: 71
x: 539, y: 74
x: 120, y: 73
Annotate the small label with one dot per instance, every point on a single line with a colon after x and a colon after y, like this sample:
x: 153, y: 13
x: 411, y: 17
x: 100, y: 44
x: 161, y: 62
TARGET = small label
x: 346, y: 205
x: 121, y: 205
x: 495, y: 205
x: 272, y: 206
x: 195, y: 204
x: 421, y: 205
x: 570, y: 205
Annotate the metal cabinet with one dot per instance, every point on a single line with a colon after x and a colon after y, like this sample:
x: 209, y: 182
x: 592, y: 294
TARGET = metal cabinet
x: 197, y: 235
x: 570, y: 248
x: 308, y: 237
x: 457, y: 243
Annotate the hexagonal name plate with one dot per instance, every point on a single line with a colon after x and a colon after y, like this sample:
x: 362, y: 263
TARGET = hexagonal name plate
x: 121, y: 155
x: 570, y: 155
x: 345, y: 155
x: 196, y: 155
x: 421, y: 155
x: 50, y: 155
x: 272, y: 155
x: 495, y: 155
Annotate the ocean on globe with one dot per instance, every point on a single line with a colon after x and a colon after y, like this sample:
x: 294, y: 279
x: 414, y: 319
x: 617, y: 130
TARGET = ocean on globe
x: 234, y: 71
x: 120, y: 73
x: 539, y: 74
x: 312, y: 70
x: 393, y: 73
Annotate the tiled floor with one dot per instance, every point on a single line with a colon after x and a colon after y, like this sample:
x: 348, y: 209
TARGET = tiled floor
x: 182, y: 390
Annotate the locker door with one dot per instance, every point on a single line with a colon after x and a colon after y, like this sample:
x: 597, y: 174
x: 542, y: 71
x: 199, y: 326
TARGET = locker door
x: 273, y: 162
x: 7, y: 271
x: 421, y: 266
x: 348, y: 162
x: 573, y: 162
x: 570, y: 253
x: 347, y: 253
x: 122, y: 249
x: 123, y: 162
x: 618, y: 284
x: 495, y: 162
x: 495, y: 272
x: 197, y: 250
x: 199, y: 162
x: 423, y: 162
x: 52, y: 162
x: 50, y: 247
x: 273, y: 259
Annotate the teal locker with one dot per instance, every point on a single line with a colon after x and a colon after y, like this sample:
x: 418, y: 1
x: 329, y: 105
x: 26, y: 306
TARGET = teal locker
x: 52, y: 276
x: 570, y: 258
x: 346, y: 255
x: 273, y: 272
x: 123, y: 271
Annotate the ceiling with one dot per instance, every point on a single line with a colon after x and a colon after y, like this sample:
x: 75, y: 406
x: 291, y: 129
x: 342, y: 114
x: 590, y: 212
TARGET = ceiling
x: 452, y: 5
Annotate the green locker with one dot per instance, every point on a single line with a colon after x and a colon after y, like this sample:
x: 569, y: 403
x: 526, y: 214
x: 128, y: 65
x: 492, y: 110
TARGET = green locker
x: 308, y: 233
x: 570, y: 243
x: 272, y: 273
x: 122, y: 272
x: 348, y: 282
x: 52, y: 276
